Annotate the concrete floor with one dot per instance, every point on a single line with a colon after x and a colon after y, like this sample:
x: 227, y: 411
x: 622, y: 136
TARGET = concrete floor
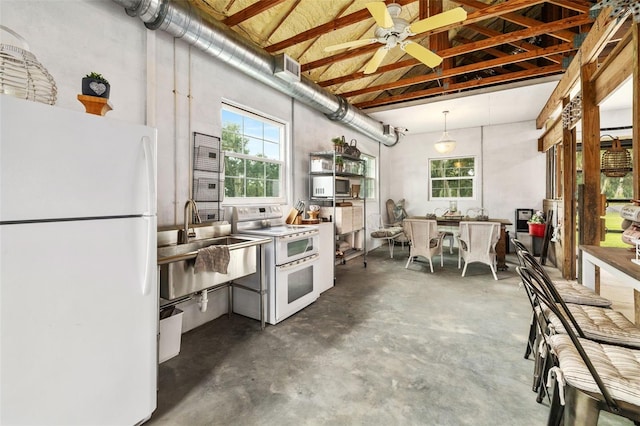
x: 385, y: 346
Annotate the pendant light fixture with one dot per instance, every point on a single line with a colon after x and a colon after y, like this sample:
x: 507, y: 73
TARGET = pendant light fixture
x: 616, y: 161
x: 445, y: 144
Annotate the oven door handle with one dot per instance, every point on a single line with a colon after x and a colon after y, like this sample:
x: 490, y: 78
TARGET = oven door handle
x: 297, y: 263
x: 300, y: 234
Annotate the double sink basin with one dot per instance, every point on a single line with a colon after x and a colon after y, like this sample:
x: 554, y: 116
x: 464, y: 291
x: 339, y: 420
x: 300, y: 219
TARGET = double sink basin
x: 176, y: 263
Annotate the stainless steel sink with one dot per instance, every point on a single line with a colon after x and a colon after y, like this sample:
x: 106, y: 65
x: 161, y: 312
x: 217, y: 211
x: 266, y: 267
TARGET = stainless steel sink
x: 176, y: 263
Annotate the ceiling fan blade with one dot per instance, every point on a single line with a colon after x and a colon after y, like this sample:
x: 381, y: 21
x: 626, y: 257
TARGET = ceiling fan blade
x: 380, y: 13
x: 440, y: 20
x: 375, y: 61
x: 348, y: 44
x: 422, y: 54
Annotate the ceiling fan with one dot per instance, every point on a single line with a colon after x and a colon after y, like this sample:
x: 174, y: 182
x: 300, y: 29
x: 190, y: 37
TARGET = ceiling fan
x: 393, y: 31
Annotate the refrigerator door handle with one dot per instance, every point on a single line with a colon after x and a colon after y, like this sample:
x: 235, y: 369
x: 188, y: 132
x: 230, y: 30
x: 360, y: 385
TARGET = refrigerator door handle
x: 151, y: 173
x: 150, y: 240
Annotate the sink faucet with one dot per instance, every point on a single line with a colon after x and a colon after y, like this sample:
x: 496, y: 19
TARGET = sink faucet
x: 189, y: 206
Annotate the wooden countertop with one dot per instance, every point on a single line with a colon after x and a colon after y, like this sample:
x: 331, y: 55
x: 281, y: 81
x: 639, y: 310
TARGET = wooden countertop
x: 619, y: 258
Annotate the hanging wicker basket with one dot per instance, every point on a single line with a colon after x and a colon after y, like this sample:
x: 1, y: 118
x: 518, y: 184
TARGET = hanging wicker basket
x: 22, y: 76
x: 616, y: 161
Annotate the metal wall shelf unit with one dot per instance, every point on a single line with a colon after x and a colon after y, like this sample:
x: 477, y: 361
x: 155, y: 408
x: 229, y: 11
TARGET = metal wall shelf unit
x: 349, y: 220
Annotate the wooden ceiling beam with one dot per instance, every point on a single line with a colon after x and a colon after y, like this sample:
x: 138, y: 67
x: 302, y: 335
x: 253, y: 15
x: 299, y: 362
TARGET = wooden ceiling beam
x: 250, y: 11
x: 332, y: 25
x: 572, y: 21
x: 603, y: 29
x: 466, y: 69
x: 497, y: 53
x: 518, y: 75
x: 578, y: 6
x: 454, y: 51
x: 564, y: 35
x: 360, y: 15
x: 615, y: 69
x: 521, y: 44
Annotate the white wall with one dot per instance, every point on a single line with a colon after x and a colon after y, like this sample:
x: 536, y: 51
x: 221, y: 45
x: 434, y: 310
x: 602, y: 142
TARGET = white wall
x: 510, y: 169
x: 164, y: 83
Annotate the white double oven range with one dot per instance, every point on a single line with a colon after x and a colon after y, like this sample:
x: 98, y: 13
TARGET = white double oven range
x: 291, y: 263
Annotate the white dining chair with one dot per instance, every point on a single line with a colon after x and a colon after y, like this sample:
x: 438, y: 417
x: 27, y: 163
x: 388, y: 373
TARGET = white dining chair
x: 425, y: 240
x: 477, y: 243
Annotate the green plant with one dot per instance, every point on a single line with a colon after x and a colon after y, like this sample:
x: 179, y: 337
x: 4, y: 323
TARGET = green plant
x: 339, y: 161
x: 538, y: 217
x: 338, y: 141
x: 98, y: 77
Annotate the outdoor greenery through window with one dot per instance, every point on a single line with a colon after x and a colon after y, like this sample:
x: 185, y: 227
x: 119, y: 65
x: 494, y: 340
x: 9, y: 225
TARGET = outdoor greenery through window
x: 618, y: 191
x: 452, y: 177
x: 254, y: 155
x: 370, y: 176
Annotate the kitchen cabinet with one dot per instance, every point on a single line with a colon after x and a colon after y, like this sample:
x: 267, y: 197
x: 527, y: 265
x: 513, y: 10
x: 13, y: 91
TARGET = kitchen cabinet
x: 343, y: 205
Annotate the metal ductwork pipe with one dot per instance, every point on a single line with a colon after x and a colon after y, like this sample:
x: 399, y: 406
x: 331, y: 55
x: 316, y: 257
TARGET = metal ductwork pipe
x: 183, y: 21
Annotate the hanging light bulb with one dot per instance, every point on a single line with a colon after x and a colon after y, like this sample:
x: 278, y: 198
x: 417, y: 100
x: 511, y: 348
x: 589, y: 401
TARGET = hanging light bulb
x: 446, y: 143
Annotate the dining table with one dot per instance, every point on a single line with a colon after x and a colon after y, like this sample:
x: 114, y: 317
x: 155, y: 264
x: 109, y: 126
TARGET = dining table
x: 453, y: 222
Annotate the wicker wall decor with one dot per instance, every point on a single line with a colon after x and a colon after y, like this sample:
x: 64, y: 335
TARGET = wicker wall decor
x: 22, y: 76
x: 616, y: 161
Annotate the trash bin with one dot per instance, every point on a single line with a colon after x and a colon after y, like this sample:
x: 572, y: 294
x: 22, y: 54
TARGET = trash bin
x: 170, y: 333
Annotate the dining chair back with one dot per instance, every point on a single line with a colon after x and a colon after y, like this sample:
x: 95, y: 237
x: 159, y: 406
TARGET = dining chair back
x: 426, y: 240
x: 477, y: 243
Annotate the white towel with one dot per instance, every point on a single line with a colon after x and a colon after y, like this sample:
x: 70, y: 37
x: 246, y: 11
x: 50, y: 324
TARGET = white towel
x: 212, y: 259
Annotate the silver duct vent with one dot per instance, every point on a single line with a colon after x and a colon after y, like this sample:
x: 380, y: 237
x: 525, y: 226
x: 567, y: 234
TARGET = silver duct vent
x: 182, y: 20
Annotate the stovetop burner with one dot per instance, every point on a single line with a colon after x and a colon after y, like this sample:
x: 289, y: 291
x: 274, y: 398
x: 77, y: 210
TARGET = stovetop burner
x: 252, y: 220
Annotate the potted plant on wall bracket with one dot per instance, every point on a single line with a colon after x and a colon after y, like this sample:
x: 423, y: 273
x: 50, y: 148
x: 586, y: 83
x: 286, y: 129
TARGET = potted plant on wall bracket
x: 94, y: 84
x: 339, y: 164
x: 339, y: 143
x: 536, y: 224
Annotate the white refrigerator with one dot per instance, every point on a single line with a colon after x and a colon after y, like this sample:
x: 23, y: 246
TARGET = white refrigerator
x: 78, y: 280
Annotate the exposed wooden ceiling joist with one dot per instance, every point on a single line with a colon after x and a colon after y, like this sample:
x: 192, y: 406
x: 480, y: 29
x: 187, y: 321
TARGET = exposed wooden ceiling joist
x: 539, y: 72
x: 500, y: 40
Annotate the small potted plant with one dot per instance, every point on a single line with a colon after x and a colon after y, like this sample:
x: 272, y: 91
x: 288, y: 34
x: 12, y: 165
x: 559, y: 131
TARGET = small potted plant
x: 338, y: 144
x: 536, y: 224
x: 94, y: 84
x: 339, y: 164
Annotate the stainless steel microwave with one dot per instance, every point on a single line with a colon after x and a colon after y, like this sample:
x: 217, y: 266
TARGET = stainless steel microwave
x: 329, y: 186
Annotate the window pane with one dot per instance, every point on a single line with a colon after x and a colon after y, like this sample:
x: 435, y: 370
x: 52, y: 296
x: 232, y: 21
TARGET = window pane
x: 452, y: 177
x: 253, y: 127
x: 230, y: 118
x: 271, y: 150
x: 255, y: 188
x: 254, y: 147
x: 273, y: 189
x: 233, y: 166
x: 255, y: 169
x: 272, y: 171
x: 232, y: 140
x: 271, y: 133
x: 256, y: 139
x: 233, y: 187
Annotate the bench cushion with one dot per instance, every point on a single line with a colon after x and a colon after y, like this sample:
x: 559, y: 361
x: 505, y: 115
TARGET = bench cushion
x: 387, y: 232
x: 605, y: 325
x: 618, y: 367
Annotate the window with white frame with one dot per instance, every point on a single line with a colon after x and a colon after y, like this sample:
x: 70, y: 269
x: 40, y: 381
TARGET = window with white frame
x: 254, y: 148
x: 371, y: 173
x: 452, y: 178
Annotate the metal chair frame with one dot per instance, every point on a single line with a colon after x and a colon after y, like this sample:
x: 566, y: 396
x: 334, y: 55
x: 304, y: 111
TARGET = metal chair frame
x: 584, y: 406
